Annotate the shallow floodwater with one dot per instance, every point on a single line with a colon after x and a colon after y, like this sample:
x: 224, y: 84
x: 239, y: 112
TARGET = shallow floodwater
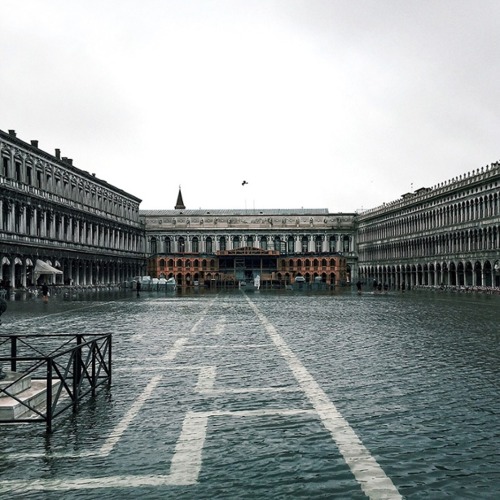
x: 272, y: 394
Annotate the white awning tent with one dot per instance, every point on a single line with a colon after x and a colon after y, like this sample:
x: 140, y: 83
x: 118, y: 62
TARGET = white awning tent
x: 42, y: 267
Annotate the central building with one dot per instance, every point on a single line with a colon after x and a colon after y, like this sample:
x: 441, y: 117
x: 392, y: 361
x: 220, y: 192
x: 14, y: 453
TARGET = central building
x: 223, y: 248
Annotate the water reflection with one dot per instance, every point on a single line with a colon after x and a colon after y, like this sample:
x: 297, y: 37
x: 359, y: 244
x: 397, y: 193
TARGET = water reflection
x: 415, y: 375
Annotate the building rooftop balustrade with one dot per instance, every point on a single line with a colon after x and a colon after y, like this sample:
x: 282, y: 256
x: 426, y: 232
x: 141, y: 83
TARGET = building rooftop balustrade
x: 442, y: 188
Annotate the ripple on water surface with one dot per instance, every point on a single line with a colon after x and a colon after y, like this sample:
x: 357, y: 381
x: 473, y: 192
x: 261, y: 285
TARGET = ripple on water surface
x: 415, y: 375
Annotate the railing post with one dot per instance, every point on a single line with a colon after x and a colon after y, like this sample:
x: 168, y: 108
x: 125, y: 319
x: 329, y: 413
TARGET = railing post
x: 75, y: 379
x: 94, y: 348
x: 13, y: 353
x: 77, y: 368
x: 48, y: 418
x: 109, y: 358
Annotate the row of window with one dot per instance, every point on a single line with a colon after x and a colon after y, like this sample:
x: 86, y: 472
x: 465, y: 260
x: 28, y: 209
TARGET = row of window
x: 72, y: 188
x: 283, y: 263
x: 18, y: 219
x: 167, y: 245
x: 458, y: 242
x: 472, y: 210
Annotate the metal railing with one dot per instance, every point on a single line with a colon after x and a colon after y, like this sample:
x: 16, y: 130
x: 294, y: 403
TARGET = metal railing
x: 72, y: 366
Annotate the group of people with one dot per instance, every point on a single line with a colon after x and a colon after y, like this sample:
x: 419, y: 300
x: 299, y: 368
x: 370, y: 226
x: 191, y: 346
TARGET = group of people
x: 3, y: 308
x: 378, y: 286
x: 5, y: 285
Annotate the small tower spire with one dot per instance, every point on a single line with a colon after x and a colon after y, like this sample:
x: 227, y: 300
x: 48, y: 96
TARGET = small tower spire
x: 180, y: 204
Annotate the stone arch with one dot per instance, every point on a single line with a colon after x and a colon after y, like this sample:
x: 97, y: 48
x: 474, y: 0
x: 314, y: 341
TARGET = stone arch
x: 478, y: 274
x: 181, y: 244
x: 451, y: 269
x: 153, y: 246
x: 496, y: 273
x: 488, y: 273
x: 468, y: 273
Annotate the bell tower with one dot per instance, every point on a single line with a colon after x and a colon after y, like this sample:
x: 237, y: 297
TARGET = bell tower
x: 180, y: 204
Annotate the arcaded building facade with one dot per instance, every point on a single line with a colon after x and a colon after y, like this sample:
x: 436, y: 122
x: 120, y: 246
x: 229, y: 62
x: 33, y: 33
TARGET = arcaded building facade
x: 219, y: 247
x: 94, y: 233
x: 68, y: 218
x: 445, y: 235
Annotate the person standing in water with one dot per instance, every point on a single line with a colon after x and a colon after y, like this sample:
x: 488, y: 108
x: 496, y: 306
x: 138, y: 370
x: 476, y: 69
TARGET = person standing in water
x: 45, y: 292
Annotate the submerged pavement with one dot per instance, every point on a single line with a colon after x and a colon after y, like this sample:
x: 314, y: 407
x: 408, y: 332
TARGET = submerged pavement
x: 279, y: 394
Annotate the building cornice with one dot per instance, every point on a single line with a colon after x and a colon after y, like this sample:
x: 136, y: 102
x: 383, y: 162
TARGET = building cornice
x: 65, y: 164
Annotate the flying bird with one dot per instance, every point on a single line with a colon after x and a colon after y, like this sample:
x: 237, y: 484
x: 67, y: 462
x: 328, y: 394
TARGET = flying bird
x: 244, y: 182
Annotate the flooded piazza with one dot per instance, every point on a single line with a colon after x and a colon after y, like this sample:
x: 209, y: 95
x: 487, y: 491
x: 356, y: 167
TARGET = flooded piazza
x: 270, y: 394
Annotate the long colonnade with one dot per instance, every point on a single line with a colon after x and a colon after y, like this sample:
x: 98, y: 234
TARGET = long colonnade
x: 461, y: 274
x: 19, y: 272
x: 71, y: 220
x: 447, y: 235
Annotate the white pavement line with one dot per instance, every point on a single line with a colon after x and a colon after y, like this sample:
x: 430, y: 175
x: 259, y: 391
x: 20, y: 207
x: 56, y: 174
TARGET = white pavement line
x: 202, y: 317
x: 176, y: 349
x: 184, y: 469
x: 206, y: 379
x: 371, y: 477
x: 24, y: 456
x: 160, y: 368
x: 195, y: 326
x: 113, y: 438
x: 152, y: 359
x: 229, y: 346
x: 87, y: 483
x: 248, y: 390
x: 51, y: 315
x: 143, y: 369
x: 268, y: 412
x: 116, y: 434
x: 221, y: 324
x: 206, y: 383
x: 186, y: 462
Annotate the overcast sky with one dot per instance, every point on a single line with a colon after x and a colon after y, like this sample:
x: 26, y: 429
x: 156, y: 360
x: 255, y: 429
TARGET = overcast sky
x: 338, y: 104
